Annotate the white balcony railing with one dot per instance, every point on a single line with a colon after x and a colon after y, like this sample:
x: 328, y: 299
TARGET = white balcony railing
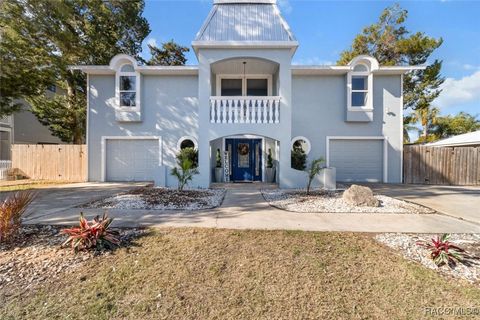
x: 244, y: 109
x: 6, y: 120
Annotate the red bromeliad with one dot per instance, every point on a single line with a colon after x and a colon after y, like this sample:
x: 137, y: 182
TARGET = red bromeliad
x: 92, y: 235
x: 443, y: 251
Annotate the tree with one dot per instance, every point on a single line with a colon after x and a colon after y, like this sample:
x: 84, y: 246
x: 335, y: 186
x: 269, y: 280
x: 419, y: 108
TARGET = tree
x: 58, y: 34
x: 170, y: 54
x: 185, y: 169
x: 428, y: 118
x: 463, y: 122
x: 391, y: 43
x: 313, y: 171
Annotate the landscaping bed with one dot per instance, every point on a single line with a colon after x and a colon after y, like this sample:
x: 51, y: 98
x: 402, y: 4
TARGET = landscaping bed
x: 35, y: 257
x: 239, y: 274
x: 324, y: 201
x: 152, y: 198
x: 406, y: 245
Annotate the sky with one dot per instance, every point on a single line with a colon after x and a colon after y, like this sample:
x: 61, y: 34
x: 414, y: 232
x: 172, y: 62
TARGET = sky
x: 325, y: 28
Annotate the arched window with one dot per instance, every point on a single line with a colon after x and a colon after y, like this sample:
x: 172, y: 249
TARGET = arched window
x: 300, y: 148
x: 187, y: 142
x: 128, y: 85
x: 360, y: 83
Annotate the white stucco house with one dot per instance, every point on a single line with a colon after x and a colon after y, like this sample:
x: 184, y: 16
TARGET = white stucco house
x: 246, y: 99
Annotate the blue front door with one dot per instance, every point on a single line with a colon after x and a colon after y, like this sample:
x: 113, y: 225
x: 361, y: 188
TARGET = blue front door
x: 246, y: 159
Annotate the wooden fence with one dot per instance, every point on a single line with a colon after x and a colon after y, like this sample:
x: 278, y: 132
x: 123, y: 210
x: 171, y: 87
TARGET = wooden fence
x: 51, y: 162
x: 441, y: 165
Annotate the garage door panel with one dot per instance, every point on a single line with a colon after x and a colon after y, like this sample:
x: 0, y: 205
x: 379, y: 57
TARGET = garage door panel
x: 357, y: 160
x: 131, y: 159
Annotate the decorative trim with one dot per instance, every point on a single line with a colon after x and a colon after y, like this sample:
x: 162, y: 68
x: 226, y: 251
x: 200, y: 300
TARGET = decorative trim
x: 179, y: 142
x: 307, y: 142
x: 104, y: 145
x: 385, y: 149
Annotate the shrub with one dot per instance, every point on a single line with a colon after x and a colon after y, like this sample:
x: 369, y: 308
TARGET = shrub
x: 298, y: 158
x: 313, y: 170
x: 92, y: 235
x: 218, y: 159
x: 269, y: 159
x: 190, y: 153
x: 443, y: 251
x: 11, y: 211
x: 186, y: 168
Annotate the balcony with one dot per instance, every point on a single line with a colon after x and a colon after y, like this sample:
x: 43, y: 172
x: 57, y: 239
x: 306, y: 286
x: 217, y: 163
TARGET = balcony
x: 245, y: 109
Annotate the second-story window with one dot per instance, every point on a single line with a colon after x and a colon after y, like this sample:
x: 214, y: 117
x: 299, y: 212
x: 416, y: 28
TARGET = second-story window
x: 127, y: 86
x: 360, y: 91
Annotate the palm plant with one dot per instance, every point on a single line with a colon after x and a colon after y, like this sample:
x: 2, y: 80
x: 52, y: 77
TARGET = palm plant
x: 428, y: 120
x: 313, y: 170
x: 185, y: 169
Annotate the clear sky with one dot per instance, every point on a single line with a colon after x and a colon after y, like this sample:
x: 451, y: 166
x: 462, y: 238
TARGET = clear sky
x: 325, y: 28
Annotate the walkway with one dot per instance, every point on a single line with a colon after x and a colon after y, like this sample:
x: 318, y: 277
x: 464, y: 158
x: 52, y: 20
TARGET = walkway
x: 245, y: 208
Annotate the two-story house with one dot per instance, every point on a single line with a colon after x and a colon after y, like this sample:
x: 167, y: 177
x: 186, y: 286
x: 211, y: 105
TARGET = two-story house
x: 246, y: 99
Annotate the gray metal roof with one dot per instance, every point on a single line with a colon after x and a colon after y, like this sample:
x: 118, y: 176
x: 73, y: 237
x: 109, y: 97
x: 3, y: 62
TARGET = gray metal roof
x: 241, y: 21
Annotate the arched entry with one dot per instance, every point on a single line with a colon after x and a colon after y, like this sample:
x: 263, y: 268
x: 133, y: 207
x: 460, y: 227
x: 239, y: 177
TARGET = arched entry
x: 244, y: 158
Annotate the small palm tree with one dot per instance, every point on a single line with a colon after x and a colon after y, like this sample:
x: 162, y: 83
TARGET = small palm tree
x: 186, y: 169
x: 314, y: 170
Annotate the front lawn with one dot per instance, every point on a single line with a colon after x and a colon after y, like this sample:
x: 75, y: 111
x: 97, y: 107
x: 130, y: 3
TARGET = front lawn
x: 211, y: 273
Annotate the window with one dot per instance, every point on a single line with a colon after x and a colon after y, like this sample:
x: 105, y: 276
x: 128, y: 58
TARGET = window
x: 359, y: 91
x: 300, y: 148
x: 257, y: 87
x: 187, y: 142
x: 359, y: 88
x: 231, y: 87
x: 250, y: 85
x: 127, y: 87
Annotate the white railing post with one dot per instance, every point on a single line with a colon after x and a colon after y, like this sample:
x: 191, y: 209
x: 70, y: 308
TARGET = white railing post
x: 224, y: 111
x: 247, y: 107
x: 270, y: 111
x: 277, y: 112
x: 230, y: 102
x: 212, y: 110
x: 235, y: 111
x: 242, y: 110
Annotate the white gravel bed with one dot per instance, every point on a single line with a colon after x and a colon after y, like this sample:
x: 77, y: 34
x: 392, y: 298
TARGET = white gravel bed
x: 406, y: 245
x: 332, y: 202
x: 167, y: 199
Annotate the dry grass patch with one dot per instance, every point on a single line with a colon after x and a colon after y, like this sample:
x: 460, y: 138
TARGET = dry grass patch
x: 19, y: 185
x: 223, y: 274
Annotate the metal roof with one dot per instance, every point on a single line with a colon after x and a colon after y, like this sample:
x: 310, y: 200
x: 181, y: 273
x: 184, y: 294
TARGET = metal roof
x: 471, y: 138
x: 245, y: 21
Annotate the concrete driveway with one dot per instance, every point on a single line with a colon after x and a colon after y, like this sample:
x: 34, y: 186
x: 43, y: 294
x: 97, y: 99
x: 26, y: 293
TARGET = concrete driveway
x: 59, y: 198
x: 457, y: 201
x: 245, y: 208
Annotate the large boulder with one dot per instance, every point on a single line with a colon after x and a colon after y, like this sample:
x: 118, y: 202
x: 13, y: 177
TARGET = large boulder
x: 360, y: 196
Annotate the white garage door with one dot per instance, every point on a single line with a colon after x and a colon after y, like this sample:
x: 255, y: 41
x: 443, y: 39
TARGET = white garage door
x: 132, y: 160
x: 357, y: 160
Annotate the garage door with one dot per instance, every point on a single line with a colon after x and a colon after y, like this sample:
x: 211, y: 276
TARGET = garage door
x: 357, y: 160
x: 131, y: 160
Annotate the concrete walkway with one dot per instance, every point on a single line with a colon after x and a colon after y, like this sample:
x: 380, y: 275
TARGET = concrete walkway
x: 245, y: 208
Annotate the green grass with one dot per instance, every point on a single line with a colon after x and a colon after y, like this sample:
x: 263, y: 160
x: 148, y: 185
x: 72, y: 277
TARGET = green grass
x: 224, y: 274
x: 28, y: 184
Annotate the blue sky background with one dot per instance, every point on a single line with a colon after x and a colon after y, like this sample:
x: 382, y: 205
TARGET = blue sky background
x: 325, y: 28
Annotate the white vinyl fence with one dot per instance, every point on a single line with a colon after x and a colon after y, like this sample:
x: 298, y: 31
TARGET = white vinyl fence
x: 4, y: 166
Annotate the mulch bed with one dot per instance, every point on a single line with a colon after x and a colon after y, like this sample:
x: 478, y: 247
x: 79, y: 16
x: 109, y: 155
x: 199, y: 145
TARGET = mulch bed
x: 324, y: 201
x: 161, y: 199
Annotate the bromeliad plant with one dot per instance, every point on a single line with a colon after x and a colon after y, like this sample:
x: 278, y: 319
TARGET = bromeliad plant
x: 94, y: 235
x: 443, y: 251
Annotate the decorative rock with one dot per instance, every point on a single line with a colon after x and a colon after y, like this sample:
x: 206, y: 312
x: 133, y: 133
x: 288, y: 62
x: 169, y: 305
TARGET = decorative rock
x: 360, y: 196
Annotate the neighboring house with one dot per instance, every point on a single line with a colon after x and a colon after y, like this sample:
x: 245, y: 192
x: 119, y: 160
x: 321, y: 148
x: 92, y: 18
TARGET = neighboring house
x: 470, y: 139
x: 23, y: 128
x: 245, y: 98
